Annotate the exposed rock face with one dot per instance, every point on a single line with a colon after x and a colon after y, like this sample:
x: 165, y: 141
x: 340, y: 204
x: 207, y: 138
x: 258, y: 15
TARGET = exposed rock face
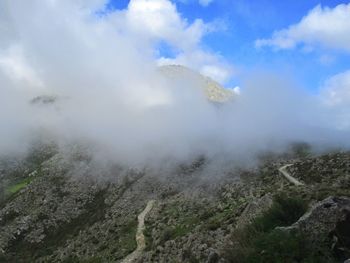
x: 213, y: 90
x: 327, y: 221
x: 323, y: 218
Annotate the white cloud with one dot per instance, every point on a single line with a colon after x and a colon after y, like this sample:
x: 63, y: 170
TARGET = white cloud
x: 327, y: 59
x: 336, y: 95
x: 110, y: 94
x: 102, y: 68
x: 158, y: 21
x: 322, y: 26
x: 336, y: 90
x: 15, y: 66
x: 205, y: 2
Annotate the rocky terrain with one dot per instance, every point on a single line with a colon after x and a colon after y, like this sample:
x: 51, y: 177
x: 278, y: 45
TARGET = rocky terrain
x: 64, y: 207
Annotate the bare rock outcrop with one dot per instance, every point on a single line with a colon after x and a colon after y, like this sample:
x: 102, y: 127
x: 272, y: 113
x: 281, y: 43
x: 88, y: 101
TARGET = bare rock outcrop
x: 254, y: 209
x: 324, y: 218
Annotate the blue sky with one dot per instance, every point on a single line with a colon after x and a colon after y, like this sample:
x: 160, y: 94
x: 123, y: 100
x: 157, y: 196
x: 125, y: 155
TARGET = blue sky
x: 243, y: 22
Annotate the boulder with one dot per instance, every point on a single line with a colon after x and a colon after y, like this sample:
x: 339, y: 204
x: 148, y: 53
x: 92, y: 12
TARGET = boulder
x: 327, y: 222
x: 324, y: 219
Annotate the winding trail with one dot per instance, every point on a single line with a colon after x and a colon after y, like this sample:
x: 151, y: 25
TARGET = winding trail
x: 140, y: 237
x: 283, y: 171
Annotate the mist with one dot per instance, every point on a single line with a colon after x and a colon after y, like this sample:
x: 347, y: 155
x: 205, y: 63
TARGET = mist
x: 108, y: 93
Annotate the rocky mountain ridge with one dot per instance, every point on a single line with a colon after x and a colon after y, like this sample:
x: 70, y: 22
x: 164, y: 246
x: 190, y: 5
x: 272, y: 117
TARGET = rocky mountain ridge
x: 212, y: 89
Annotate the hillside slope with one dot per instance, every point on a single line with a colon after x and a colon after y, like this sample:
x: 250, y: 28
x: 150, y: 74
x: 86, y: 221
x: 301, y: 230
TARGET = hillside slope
x: 59, y: 207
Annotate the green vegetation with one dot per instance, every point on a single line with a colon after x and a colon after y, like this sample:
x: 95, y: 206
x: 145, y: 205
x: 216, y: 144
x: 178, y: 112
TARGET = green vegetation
x: 18, y: 178
x: 328, y: 190
x: 77, y: 260
x: 13, y: 189
x: 262, y: 242
x: 179, y: 230
x: 185, y: 221
x: 284, y: 212
x: 216, y: 220
x: 178, y: 220
x: 148, y: 237
x: 9, y: 191
x: 126, y: 242
x: 287, y: 247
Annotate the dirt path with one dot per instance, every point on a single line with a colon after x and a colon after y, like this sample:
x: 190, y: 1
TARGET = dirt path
x: 140, y: 238
x: 283, y: 171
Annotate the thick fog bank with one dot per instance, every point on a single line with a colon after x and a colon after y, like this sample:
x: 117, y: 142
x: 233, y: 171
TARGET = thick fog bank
x: 100, y: 75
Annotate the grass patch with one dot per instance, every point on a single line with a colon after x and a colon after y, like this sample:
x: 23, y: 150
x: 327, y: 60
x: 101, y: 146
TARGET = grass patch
x: 217, y: 220
x: 178, y: 221
x: 179, y: 230
x: 18, y: 186
x: 126, y: 241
